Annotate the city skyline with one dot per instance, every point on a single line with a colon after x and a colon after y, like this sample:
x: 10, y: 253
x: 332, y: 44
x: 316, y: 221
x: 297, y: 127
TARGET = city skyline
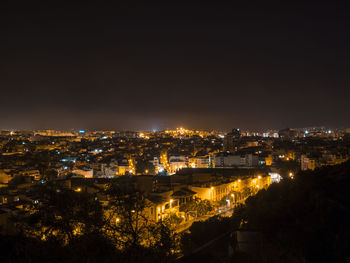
x: 174, y: 131
x: 248, y: 132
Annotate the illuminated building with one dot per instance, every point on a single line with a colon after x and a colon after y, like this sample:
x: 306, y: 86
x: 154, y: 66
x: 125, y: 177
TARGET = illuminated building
x: 177, y: 162
x: 229, y: 160
x: 307, y: 163
x: 268, y: 160
x: 84, y: 172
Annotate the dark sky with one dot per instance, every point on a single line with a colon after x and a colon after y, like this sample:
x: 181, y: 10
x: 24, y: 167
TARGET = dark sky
x: 152, y: 66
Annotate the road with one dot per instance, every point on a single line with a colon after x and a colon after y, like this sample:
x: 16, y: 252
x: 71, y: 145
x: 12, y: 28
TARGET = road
x: 224, y: 212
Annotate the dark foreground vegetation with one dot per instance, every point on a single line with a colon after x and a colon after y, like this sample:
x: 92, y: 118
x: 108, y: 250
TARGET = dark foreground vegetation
x: 305, y: 219
x: 69, y: 226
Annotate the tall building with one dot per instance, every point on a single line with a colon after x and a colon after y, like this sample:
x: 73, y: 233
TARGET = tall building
x: 231, y: 139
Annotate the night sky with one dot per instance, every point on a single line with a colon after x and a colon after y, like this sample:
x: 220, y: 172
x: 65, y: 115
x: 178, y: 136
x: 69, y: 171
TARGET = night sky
x: 155, y: 66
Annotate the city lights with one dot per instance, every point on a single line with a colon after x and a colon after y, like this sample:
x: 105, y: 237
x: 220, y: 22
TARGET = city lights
x: 175, y: 131
x: 163, y: 158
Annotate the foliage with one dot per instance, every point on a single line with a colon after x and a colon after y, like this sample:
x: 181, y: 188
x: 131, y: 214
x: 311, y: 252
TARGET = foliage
x: 309, y: 215
x: 86, y: 248
x: 62, y: 215
x: 144, y: 165
x: 128, y: 225
x: 174, y: 219
x: 285, y: 167
x: 222, y: 202
x: 202, y: 207
x: 213, y: 227
x: 73, y: 226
